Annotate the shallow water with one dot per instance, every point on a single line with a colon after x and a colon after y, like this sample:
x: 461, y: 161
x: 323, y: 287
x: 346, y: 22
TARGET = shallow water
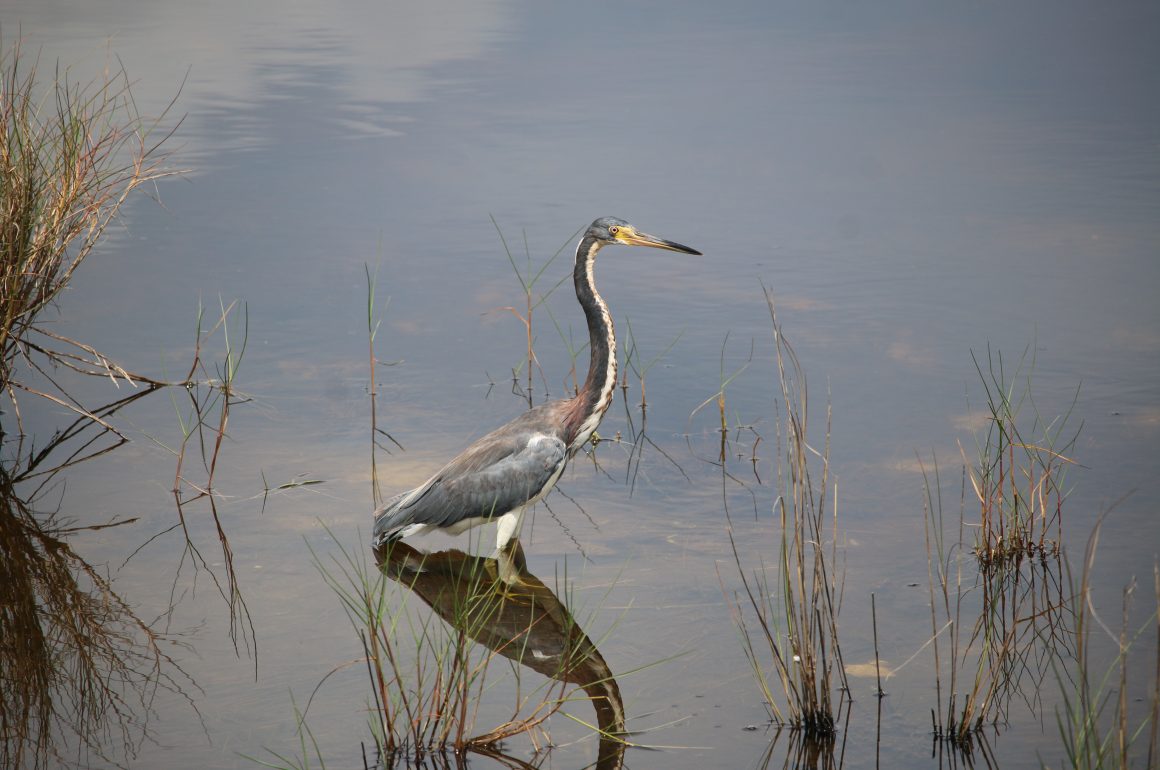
x: 911, y: 184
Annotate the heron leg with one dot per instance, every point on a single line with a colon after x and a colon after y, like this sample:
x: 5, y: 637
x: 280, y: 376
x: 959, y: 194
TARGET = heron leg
x: 508, y: 527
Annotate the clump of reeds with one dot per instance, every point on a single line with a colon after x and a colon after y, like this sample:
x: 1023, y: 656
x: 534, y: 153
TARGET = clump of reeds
x: 1019, y: 476
x: 968, y: 666
x: 792, y: 640
x: 997, y: 614
x: 70, y: 156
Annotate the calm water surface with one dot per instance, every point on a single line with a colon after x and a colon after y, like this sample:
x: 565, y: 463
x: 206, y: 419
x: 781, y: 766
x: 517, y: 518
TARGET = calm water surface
x: 911, y: 184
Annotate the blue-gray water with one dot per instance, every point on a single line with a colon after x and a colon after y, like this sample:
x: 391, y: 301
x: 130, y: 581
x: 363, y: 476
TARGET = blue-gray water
x: 911, y: 183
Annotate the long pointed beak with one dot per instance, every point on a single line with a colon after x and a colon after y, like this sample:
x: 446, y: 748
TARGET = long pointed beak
x: 637, y: 238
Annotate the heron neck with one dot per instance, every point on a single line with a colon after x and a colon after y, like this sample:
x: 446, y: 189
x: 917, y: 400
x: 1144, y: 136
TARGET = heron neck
x: 596, y: 395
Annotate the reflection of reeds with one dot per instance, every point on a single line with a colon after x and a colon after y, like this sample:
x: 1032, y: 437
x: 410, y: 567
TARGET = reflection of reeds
x: 1094, y: 721
x: 803, y: 750
x: 77, y: 665
x: 795, y: 619
x: 1018, y: 482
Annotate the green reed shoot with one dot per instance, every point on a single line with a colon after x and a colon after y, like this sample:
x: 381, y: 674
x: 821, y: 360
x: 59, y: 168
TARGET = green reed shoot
x: 1096, y: 728
x: 528, y: 277
x: 374, y: 321
x: 640, y: 367
x: 718, y: 398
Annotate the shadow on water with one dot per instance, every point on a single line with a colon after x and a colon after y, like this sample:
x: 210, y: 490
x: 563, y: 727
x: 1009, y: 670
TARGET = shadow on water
x: 498, y: 604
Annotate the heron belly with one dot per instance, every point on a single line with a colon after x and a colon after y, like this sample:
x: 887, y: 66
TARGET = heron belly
x: 510, y: 523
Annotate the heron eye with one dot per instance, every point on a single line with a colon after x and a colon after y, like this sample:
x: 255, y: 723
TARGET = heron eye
x: 613, y: 230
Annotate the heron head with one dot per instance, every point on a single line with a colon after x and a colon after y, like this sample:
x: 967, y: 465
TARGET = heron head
x: 610, y: 230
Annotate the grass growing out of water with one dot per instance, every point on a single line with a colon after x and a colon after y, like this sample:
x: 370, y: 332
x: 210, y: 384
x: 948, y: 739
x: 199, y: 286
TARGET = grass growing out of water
x: 790, y: 632
x: 1018, y: 478
x: 528, y: 278
x: 210, y: 391
x: 997, y: 605
x: 965, y: 699
x: 1095, y: 725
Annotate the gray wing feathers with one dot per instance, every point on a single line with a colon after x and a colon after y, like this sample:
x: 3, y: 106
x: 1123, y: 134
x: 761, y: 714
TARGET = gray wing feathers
x: 490, y: 478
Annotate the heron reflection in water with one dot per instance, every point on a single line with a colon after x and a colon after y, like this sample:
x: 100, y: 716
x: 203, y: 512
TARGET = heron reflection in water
x: 529, y: 625
x: 499, y: 476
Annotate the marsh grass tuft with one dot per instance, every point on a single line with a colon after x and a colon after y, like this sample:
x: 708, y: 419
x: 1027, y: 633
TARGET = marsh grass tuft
x: 995, y: 632
x: 998, y: 606
x: 71, y: 155
x: 1019, y: 475
x: 968, y: 666
x: 791, y: 640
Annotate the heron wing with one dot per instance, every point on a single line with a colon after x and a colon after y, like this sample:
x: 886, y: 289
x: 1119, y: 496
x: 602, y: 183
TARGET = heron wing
x: 499, y: 473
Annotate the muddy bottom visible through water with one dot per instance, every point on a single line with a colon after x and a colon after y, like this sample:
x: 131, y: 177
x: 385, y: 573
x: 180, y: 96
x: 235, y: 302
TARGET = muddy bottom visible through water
x: 952, y: 212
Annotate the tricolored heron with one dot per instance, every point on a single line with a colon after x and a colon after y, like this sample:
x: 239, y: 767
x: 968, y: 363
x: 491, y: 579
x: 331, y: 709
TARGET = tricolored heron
x: 499, y: 476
